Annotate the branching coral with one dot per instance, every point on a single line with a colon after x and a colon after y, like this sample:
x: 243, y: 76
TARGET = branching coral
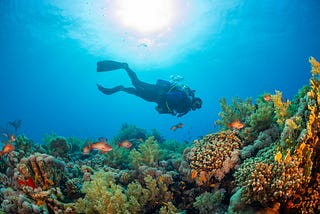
x: 209, y: 202
x: 103, y: 195
x: 24, y: 144
x: 281, y: 108
x: 129, y: 132
x: 215, y: 154
x: 266, y: 180
x: 238, y: 110
x: 147, y: 154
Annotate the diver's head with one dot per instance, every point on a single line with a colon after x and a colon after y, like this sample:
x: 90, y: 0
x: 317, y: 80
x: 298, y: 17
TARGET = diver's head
x: 196, y: 103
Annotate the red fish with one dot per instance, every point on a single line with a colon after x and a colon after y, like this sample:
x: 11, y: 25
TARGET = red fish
x: 175, y: 127
x: 125, y: 143
x: 102, y: 146
x: 236, y: 125
x: 7, y: 149
x: 267, y: 97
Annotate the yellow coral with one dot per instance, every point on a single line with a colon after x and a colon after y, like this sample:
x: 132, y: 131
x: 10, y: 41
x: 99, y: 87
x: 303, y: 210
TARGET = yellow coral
x: 315, y: 66
x: 281, y: 108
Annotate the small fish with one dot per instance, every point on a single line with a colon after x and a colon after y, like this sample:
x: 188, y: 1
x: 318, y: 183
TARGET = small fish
x: 267, y: 97
x: 236, y: 125
x: 125, y: 143
x: 193, y: 174
x: 175, y: 127
x: 86, y: 150
x: 215, y: 124
x: 7, y: 149
x: 12, y: 138
x: 102, y: 146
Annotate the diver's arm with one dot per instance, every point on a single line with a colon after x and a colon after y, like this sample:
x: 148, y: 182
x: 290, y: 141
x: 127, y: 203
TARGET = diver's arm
x: 181, y: 114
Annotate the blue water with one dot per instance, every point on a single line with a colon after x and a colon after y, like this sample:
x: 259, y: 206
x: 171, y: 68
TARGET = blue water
x: 49, y: 51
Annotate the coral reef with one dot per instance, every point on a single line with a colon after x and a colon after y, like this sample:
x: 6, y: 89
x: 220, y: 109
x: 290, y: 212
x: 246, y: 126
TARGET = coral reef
x: 238, y: 110
x: 59, y: 147
x: 215, y: 154
x: 146, y: 154
x: 281, y: 108
x: 130, y: 132
x: 209, y: 202
x: 270, y: 165
x: 287, y: 172
x: 102, y: 195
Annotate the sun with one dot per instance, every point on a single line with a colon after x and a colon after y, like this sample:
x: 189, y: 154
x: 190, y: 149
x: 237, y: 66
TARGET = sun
x: 145, y: 16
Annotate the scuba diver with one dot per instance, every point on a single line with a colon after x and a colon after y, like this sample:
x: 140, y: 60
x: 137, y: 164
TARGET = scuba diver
x: 171, y: 98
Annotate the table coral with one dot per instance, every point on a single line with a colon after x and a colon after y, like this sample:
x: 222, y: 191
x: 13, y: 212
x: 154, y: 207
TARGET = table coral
x: 215, y: 154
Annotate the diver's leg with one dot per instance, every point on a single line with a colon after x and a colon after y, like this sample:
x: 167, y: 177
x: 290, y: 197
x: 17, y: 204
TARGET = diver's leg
x: 131, y: 90
x: 138, y: 84
x: 109, y: 91
x: 133, y: 76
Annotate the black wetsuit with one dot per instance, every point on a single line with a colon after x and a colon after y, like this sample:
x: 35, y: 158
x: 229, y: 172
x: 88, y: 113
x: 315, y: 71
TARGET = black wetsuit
x: 171, y: 99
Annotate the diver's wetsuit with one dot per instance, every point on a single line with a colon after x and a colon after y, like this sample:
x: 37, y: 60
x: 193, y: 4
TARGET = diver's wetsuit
x: 171, y: 99
x: 147, y: 91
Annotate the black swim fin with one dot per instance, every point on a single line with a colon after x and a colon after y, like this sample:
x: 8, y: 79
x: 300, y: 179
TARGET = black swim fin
x: 109, y: 65
x: 109, y: 91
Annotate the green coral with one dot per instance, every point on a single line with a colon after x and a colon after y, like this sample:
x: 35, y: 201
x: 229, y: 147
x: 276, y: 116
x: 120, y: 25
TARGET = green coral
x: 23, y: 143
x: 209, y: 202
x: 238, y: 110
x: 59, y: 147
x: 294, y: 105
x: 172, y: 147
x: 262, y: 118
x: 169, y: 209
x: 118, y: 157
x: 103, y: 195
x: 146, y: 154
x: 129, y: 132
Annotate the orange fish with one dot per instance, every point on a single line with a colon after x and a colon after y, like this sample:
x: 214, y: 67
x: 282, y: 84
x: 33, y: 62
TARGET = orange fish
x: 267, y: 97
x: 125, y: 143
x: 12, y: 138
x: 102, y: 146
x: 175, y: 127
x: 7, y: 149
x: 193, y: 174
x: 236, y: 125
x: 86, y: 150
